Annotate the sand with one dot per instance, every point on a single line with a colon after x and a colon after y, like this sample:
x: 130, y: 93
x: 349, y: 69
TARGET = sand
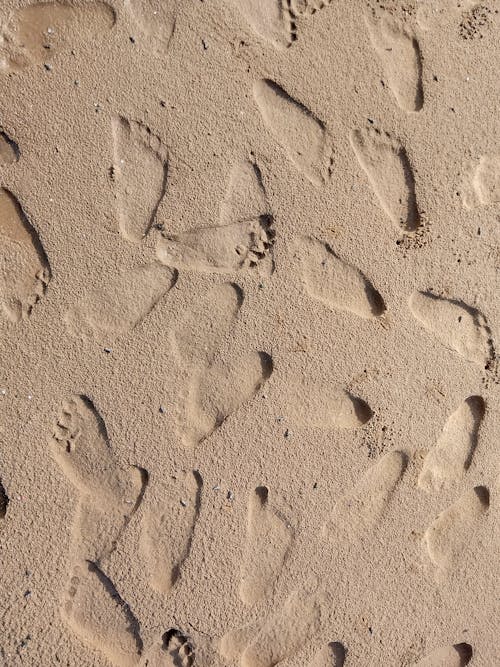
x: 249, y: 311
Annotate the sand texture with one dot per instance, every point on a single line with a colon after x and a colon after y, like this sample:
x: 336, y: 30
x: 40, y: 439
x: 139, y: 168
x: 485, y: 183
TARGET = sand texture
x: 249, y: 323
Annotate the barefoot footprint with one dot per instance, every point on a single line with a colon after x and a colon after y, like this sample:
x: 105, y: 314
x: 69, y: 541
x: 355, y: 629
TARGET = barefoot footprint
x: 109, y: 495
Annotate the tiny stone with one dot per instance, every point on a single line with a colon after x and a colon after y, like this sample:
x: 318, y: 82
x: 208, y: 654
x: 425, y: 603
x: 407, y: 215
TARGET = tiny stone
x: 216, y: 488
x: 162, y: 410
x: 132, y: 39
x: 287, y: 434
x: 183, y: 503
x: 315, y: 485
x: 3, y: 392
x: 108, y: 350
x: 163, y: 103
x: 47, y: 66
x: 230, y: 495
x: 50, y: 31
x: 30, y: 397
x: 27, y: 594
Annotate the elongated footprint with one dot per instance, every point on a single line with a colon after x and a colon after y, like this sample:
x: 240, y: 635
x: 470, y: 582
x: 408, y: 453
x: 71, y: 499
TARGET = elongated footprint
x: 140, y: 177
x: 24, y: 268
x: 155, y: 23
x: 243, y: 239
x: 121, y: 304
x: 455, y: 325
x: 302, y: 136
x: 362, y: 508
x: 334, y: 282
x: 452, y: 454
x: 219, y: 391
x: 447, y: 537
x: 457, y: 655
x: 269, y: 536
x: 269, y: 19
x: 34, y: 34
x: 482, y: 186
x: 386, y: 164
x: 399, y: 53
x: 168, y: 528
x: 94, y: 610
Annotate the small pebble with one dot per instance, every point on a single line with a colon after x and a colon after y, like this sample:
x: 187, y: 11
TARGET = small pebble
x: 108, y: 350
x: 27, y: 594
x: 315, y: 485
x: 287, y: 434
x: 132, y: 39
x: 183, y: 503
x: 47, y: 66
x: 230, y: 496
x: 216, y: 488
x: 162, y: 410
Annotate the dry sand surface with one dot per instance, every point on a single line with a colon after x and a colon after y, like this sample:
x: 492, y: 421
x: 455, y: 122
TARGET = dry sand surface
x: 249, y: 300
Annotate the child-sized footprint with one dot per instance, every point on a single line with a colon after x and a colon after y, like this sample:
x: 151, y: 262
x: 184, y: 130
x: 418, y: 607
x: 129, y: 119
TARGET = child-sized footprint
x: 390, y: 174
x: 155, y: 22
x: 24, y: 268
x: 457, y: 655
x: 35, y: 33
x: 121, y: 304
x: 331, y: 655
x: 269, y: 536
x: 168, y: 528
x: 447, y: 537
x: 269, y: 19
x: 399, y: 53
x: 302, y: 136
x: 456, y: 325
x: 337, y: 283
x: 482, y: 187
x: 452, y: 454
x: 140, y: 176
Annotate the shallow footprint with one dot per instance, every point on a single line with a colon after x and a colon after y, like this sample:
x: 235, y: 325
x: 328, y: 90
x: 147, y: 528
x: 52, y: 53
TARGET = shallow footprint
x: 140, y: 176
x: 307, y: 7
x: 167, y: 529
x: 121, y: 304
x: 302, y: 136
x: 24, y: 268
x: 457, y: 655
x: 336, y: 283
x: 269, y: 536
x: 95, y: 612
x: 452, y: 454
x: 34, y: 34
x: 199, y: 334
x: 456, y: 325
x: 269, y: 19
x: 399, y: 53
x: 81, y: 446
x: 362, y: 508
x: 331, y: 655
x: 219, y: 391
x: 390, y: 174
x: 285, y: 631
x: 483, y: 185
x: 454, y: 528
x: 245, y: 198
x: 155, y: 20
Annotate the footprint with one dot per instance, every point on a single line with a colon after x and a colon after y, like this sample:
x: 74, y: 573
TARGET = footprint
x: 4, y: 501
x: 199, y: 334
x: 155, y: 21
x: 482, y: 187
x: 244, y: 238
x: 390, y: 174
x: 168, y: 528
x: 457, y: 326
x: 319, y: 405
x: 201, y: 331
x: 219, y: 391
x: 453, y: 452
x: 336, y: 283
x: 9, y: 150
x: 457, y: 655
x: 302, y: 136
x: 140, y: 176
x: 362, y: 507
x: 120, y: 305
x: 179, y: 649
x: 234, y: 642
x: 95, y: 612
x: 307, y: 7
x: 34, y: 34
x: 286, y: 631
x: 110, y: 493
x: 399, y: 53
x: 24, y: 268
x: 331, y: 655
x: 269, y: 537
x: 454, y: 528
x: 269, y: 19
